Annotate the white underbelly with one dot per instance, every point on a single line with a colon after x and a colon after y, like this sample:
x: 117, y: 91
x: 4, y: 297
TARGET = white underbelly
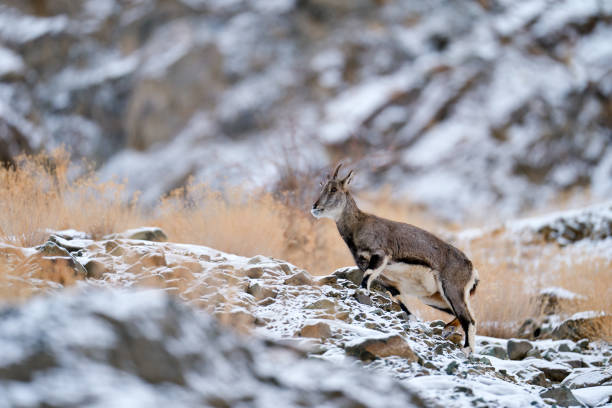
x: 411, y: 279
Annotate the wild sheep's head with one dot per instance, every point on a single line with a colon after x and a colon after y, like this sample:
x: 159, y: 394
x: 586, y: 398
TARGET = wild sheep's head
x: 333, y: 196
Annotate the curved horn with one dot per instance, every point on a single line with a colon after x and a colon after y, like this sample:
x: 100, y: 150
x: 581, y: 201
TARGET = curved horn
x: 335, y: 174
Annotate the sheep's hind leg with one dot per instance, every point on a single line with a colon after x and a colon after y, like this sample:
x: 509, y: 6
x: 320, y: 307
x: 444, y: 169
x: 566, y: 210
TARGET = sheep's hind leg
x: 401, y: 304
x: 438, y: 302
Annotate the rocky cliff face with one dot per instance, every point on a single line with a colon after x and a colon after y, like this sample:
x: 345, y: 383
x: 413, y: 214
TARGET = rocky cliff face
x: 503, y: 102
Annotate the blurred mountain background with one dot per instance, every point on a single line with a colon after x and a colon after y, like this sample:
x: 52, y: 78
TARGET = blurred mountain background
x: 459, y: 106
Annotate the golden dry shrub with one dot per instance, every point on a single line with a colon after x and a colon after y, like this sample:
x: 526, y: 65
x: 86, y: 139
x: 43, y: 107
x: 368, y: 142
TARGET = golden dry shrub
x: 38, y: 194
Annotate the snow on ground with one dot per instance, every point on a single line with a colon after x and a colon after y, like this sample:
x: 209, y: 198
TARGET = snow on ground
x: 560, y: 293
x: 325, y: 317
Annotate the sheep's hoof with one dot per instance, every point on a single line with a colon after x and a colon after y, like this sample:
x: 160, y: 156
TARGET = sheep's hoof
x: 467, y: 351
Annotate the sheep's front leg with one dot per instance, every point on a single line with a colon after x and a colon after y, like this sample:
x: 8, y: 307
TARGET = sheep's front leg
x: 378, y: 263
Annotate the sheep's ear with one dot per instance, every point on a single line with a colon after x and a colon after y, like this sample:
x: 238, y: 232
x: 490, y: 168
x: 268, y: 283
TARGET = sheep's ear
x: 348, y: 179
x: 335, y: 173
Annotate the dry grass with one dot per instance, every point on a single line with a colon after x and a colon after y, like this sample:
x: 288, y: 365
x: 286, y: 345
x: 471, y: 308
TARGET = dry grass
x: 251, y: 224
x: 38, y: 194
x: 513, y: 273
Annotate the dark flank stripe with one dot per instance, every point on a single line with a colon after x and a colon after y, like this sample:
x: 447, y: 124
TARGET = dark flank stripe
x: 413, y: 261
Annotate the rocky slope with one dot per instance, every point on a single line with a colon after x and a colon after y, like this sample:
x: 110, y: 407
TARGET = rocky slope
x: 136, y: 349
x: 506, y: 103
x: 110, y: 334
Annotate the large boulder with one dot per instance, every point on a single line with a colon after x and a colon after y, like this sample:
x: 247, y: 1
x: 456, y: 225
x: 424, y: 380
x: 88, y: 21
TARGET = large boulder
x: 143, y: 344
x: 585, y: 325
x: 154, y: 234
x: 594, y: 224
x: 555, y: 300
x: 589, y: 377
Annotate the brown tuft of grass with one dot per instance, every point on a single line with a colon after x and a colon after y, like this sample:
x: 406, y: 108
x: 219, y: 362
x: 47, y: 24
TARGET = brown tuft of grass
x: 37, y: 194
x: 250, y: 224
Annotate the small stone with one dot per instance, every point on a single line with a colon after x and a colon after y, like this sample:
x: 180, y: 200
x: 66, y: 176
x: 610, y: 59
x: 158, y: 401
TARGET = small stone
x: 464, y: 390
x: 153, y: 260
x: 495, y: 351
x: 114, y: 248
x: 154, y: 234
x: 538, y: 379
x: 354, y: 275
x: 266, y: 302
x: 371, y: 349
x: 456, y: 338
x: 575, y: 363
x: 287, y: 269
x: 441, y: 348
x: 479, y: 360
x: 324, y: 304
x: 50, y: 248
x: 68, y: 244
x: 562, y: 396
x: 327, y: 280
x: 372, y: 326
x: 452, y: 368
x: 437, y: 323
x: 256, y: 260
x: 320, y: 330
x: 95, y: 269
x: 344, y: 316
x: 259, y: 291
x: 518, y: 349
x: 564, y: 348
x: 553, y: 371
x: 360, y: 317
x: 300, y: 278
x: 550, y: 355
x: 254, y: 272
x: 362, y: 298
x: 533, y: 353
x: 583, y: 344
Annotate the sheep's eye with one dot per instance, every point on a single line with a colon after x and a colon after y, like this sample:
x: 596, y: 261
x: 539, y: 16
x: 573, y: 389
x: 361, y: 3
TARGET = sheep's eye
x: 333, y: 189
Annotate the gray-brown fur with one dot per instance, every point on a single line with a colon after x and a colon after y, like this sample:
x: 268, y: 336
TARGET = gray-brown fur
x: 378, y: 244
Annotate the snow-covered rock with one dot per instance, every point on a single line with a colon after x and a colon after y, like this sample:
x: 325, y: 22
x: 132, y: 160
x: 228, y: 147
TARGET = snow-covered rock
x: 143, y: 348
x: 327, y: 318
x: 566, y: 227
